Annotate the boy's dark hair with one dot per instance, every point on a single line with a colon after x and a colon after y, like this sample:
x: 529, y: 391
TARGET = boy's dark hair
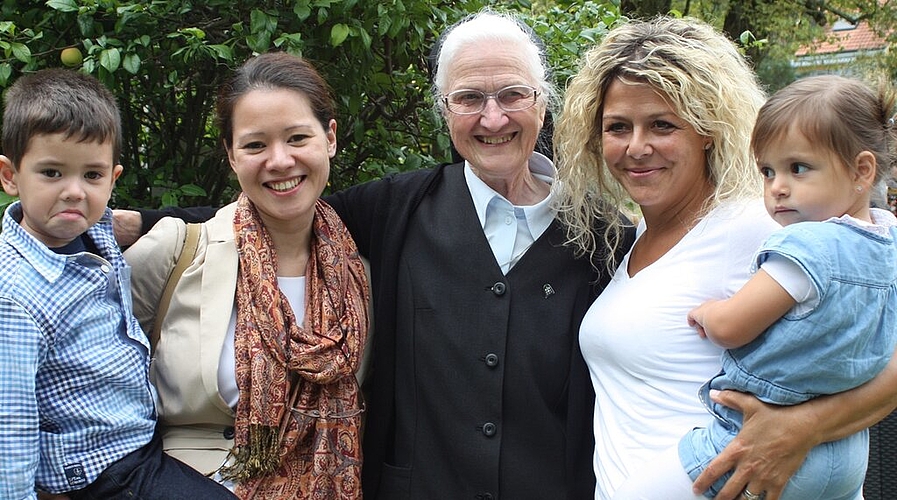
x: 52, y: 101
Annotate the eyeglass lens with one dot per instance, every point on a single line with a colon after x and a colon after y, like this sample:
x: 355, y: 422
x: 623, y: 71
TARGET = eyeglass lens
x: 513, y: 98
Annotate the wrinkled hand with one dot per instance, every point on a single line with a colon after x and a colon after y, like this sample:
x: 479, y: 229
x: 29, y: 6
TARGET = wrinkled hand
x: 126, y: 225
x: 770, y: 448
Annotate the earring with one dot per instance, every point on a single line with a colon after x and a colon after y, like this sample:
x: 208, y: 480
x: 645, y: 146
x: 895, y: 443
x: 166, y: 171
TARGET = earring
x: 707, y: 146
x: 859, y: 189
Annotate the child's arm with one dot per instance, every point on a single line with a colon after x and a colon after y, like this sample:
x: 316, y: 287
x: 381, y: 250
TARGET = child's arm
x: 19, y: 437
x: 735, y: 321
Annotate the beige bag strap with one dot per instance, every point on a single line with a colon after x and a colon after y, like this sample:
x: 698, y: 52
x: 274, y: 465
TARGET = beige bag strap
x: 191, y: 241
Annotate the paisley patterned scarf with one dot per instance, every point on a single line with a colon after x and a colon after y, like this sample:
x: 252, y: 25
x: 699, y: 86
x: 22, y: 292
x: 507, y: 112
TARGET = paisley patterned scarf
x: 299, y: 414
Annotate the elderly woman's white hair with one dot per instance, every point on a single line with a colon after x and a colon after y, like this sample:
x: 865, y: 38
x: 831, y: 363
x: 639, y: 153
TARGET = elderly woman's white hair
x: 493, y: 26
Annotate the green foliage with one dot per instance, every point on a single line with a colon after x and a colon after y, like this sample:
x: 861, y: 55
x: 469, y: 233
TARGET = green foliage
x: 5, y: 200
x: 165, y: 59
x: 568, y: 27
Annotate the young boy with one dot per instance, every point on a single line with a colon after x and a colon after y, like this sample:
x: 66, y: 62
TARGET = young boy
x: 77, y: 411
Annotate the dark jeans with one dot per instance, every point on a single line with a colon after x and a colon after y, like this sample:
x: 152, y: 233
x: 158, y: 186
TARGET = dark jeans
x: 150, y: 474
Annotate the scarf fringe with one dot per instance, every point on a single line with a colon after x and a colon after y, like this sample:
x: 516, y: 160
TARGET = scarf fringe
x: 260, y: 457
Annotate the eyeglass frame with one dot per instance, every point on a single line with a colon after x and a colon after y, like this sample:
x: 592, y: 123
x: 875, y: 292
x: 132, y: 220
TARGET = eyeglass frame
x: 491, y: 95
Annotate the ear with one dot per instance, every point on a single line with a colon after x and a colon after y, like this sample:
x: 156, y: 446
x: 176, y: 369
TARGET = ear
x: 8, y: 176
x: 864, y: 169
x: 116, y: 172
x: 331, y: 138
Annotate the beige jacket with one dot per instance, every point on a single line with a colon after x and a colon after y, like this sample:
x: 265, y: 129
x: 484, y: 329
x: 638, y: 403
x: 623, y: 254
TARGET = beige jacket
x: 193, y: 419
x: 192, y: 416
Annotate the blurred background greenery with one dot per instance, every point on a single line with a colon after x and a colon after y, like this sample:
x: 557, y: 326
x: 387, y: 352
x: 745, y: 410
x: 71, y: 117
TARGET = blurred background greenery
x: 164, y: 59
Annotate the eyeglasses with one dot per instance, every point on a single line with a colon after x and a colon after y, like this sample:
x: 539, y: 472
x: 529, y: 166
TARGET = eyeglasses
x: 509, y: 99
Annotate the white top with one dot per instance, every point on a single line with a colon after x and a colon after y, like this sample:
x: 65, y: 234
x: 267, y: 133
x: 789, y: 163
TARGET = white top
x: 645, y: 362
x: 294, y: 290
x: 511, y: 229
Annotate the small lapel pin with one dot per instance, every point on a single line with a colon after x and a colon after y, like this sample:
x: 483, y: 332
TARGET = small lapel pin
x: 547, y: 290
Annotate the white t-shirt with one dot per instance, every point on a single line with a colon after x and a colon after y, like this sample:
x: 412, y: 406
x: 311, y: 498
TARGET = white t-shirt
x: 294, y: 290
x: 645, y: 362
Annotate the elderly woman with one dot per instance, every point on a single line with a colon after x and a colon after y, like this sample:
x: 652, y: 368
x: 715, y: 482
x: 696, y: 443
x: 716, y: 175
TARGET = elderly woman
x: 266, y: 326
x: 478, y: 387
x: 661, y: 113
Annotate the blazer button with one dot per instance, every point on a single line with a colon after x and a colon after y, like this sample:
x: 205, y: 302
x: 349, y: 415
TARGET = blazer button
x: 499, y: 288
x: 228, y: 433
x: 489, y: 429
x: 491, y: 360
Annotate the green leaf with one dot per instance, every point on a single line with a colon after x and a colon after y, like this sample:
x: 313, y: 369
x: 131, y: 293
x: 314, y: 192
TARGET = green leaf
x: 384, y: 23
x: 110, y: 59
x: 365, y: 38
x: 131, y: 63
x: 293, y: 41
x: 338, y: 34
x: 194, y: 32
x: 443, y: 141
x: 192, y: 190
x: 222, y: 52
x: 63, y: 5
x: 358, y: 131
x: 302, y: 11
x: 85, y: 25
x: 21, y: 52
x: 413, y: 162
x: 169, y: 199
x: 354, y: 104
x: 259, y: 42
x: 259, y: 21
x: 5, y: 73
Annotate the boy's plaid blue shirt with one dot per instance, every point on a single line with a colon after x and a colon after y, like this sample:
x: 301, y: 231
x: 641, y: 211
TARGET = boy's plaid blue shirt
x: 74, y: 366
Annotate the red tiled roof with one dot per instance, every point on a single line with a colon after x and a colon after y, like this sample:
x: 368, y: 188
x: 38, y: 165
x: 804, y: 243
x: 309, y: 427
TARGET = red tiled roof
x: 860, y: 38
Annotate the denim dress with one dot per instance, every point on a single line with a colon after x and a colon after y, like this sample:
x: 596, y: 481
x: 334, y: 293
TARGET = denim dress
x: 843, y: 342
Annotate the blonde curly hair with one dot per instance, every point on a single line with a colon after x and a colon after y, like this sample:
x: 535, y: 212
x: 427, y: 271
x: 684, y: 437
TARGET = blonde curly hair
x: 709, y: 84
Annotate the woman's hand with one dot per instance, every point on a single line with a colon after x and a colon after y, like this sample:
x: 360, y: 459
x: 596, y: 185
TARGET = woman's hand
x: 770, y: 448
x: 775, y: 440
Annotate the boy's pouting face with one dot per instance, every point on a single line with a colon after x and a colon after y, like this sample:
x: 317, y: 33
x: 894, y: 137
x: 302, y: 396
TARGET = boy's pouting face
x: 64, y: 186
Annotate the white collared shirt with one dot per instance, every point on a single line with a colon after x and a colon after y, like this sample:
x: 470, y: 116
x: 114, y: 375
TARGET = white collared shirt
x: 497, y: 215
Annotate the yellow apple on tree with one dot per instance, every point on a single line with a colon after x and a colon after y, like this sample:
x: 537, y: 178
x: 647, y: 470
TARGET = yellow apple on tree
x: 71, y: 56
